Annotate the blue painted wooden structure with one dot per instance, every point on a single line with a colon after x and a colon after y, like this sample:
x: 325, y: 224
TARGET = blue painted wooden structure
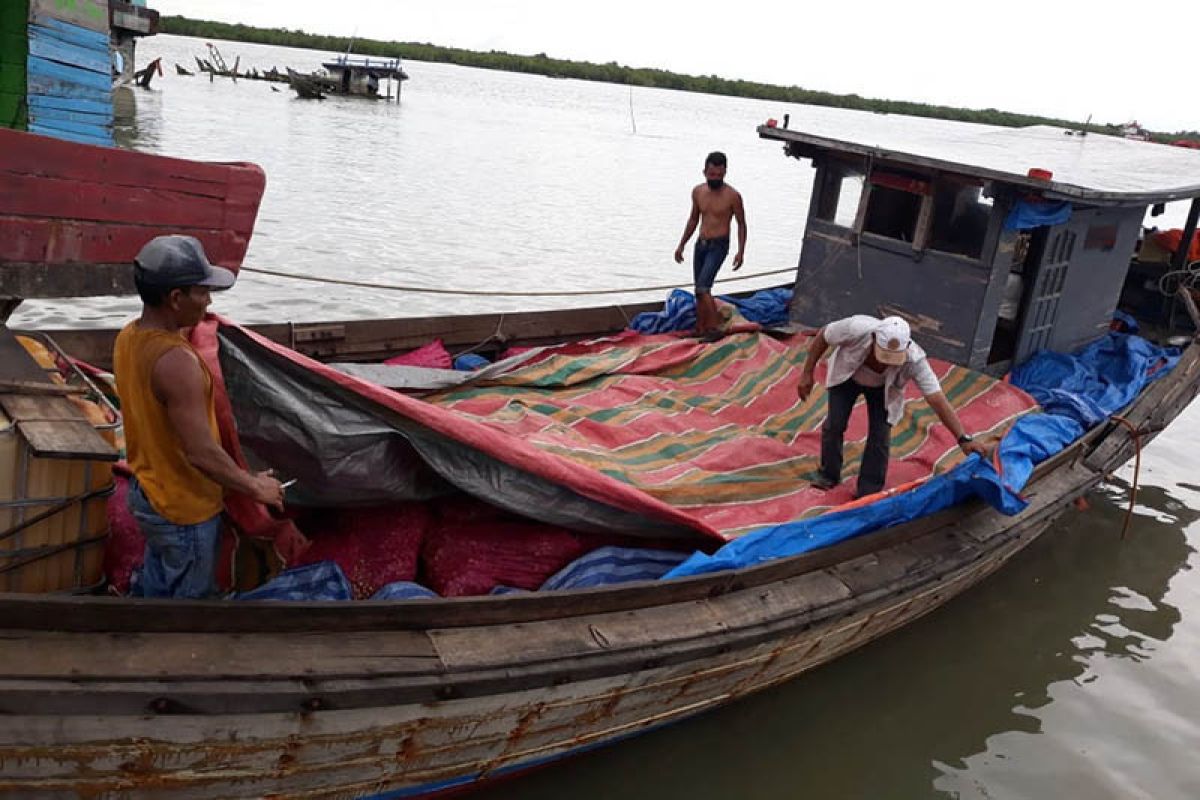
x: 70, y: 79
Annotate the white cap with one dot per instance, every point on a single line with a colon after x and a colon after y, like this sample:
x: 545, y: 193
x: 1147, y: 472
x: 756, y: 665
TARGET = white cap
x: 892, y: 338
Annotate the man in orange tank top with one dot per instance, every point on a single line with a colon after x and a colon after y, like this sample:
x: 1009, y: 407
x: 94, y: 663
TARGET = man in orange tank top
x: 174, y: 448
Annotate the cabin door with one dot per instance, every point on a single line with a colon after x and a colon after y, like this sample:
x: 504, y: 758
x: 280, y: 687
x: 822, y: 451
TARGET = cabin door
x: 1050, y: 253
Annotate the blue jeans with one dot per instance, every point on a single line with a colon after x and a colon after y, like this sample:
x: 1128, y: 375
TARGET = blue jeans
x: 180, y: 560
x: 707, y: 260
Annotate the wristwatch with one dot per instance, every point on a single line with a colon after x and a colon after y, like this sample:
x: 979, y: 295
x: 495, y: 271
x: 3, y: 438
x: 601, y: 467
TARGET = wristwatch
x: 966, y: 437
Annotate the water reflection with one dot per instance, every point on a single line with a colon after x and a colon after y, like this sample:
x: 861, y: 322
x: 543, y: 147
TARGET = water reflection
x: 911, y: 715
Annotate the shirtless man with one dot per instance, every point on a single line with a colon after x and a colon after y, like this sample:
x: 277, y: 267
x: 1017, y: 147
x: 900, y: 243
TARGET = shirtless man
x: 714, y: 204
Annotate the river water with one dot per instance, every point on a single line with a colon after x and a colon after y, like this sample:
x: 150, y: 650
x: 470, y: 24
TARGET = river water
x: 1071, y: 673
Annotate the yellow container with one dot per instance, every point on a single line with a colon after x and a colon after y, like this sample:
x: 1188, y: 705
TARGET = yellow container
x: 53, y: 518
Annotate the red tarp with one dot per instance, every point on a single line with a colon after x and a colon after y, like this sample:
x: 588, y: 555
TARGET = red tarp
x: 707, y: 436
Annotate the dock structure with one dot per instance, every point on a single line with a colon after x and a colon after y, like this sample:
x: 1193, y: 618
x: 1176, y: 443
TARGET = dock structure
x: 59, y: 61
x: 128, y: 23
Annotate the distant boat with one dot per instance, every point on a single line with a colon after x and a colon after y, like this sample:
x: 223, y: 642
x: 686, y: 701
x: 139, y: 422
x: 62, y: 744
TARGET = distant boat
x: 180, y: 70
x: 1132, y: 130
x: 360, y: 76
x: 311, y: 86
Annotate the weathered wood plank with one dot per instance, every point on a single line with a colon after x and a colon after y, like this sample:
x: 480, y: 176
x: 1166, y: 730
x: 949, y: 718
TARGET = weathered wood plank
x: 70, y: 33
x: 43, y: 68
x: 44, y: 43
x: 47, y: 116
x: 35, y: 408
x: 45, y: 244
x: 182, y: 657
x: 70, y: 136
x: 87, y: 132
x: 54, y: 198
x: 39, y: 388
x: 48, y: 158
x: 66, y: 280
x: 69, y: 104
x: 90, y: 14
x: 66, y: 440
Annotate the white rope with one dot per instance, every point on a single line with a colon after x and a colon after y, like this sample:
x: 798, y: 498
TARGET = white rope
x: 484, y: 293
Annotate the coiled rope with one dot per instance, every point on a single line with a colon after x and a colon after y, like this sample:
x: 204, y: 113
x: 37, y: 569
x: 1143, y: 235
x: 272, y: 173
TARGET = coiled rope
x: 391, y: 287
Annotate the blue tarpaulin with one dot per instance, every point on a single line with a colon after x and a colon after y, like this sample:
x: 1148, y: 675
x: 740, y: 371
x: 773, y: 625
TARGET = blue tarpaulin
x: 608, y: 565
x: 404, y: 590
x: 1032, y: 214
x: 768, y: 307
x: 323, y: 580
x: 1076, y: 392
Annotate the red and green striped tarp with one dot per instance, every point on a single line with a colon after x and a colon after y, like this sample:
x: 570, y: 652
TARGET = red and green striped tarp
x: 715, y: 431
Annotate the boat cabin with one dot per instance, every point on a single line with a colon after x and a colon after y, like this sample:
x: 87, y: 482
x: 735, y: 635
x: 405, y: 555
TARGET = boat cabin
x: 1008, y: 242
x: 361, y: 77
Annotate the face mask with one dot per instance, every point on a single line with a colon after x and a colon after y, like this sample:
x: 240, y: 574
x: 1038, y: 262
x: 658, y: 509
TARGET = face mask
x: 715, y: 183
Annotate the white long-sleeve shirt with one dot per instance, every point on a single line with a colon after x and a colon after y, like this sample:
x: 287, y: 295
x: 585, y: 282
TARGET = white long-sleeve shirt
x: 852, y: 338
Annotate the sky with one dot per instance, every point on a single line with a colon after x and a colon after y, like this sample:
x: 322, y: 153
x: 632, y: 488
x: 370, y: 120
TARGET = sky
x: 1113, y: 61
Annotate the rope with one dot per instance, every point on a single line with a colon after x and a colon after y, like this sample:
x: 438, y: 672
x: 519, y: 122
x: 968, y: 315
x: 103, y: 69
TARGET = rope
x: 1189, y: 276
x: 496, y: 336
x: 482, y: 293
x: 1137, y: 468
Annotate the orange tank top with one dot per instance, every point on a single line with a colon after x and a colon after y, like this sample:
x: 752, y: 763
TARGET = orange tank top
x: 179, y: 492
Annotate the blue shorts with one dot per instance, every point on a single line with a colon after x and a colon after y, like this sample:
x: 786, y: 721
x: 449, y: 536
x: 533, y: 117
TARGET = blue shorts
x: 709, y: 256
x: 180, y: 560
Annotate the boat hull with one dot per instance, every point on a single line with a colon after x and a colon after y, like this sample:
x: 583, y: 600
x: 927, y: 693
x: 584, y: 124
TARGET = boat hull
x: 419, y: 749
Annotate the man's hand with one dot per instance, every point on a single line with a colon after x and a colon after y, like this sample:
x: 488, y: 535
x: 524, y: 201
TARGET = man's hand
x: 805, y: 385
x: 266, y: 490
x: 976, y: 447
x: 737, y: 261
x: 679, y: 254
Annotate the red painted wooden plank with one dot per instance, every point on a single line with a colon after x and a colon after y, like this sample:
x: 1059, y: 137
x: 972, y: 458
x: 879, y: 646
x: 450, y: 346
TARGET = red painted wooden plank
x: 64, y: 203
x: 24, y: 195
x: 25, y: 153
x: 27, y: 240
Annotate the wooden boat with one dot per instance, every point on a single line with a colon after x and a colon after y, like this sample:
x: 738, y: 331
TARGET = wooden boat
x: 360, y: 76
x: 182, y: 70
x: 310, y: 86
x: 116, y: 697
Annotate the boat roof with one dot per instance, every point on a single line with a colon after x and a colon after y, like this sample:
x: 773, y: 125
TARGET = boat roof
x: 1105, y: 170
x: 379, y: 67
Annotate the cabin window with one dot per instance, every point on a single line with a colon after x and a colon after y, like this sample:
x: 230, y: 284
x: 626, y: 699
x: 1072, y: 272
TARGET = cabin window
x: 894, y: 206
x: 840, y: 196
x: 960, y: 217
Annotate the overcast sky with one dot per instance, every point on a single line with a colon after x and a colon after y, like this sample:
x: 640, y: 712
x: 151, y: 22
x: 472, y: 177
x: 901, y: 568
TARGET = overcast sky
x: 1116, y: 61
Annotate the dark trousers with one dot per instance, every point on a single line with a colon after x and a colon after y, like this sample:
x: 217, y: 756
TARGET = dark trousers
x: 873, y: 473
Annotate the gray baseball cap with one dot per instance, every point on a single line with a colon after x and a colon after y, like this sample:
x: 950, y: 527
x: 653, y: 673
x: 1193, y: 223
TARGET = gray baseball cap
x: 175, y: 262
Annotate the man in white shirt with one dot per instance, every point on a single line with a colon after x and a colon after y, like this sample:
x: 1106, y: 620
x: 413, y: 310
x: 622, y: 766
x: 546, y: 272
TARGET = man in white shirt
x: 874, y: 358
